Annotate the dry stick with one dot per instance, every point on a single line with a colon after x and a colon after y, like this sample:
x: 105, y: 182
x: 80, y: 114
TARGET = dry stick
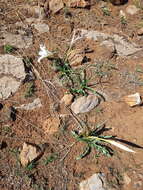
x: 16, y: 138
x: 70, y: 147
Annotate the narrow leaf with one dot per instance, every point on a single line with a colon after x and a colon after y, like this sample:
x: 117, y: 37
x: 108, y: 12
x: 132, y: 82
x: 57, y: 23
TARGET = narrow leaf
x: 121, y: 146
x: 85, y: 153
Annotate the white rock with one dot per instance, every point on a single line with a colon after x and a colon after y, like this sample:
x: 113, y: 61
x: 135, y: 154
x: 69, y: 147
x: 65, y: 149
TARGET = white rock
x: 95, y: 182
x: 41, y: 27
x: 8, y: 86
x: 11, y: 65
x: 12, y: 73
x: 133, y: 99
x: 16, y: 40
x: 35, y: 104
x: 29, y: 153
x: 84, y: 104
x: 122, y: 45
x: 132, y: 10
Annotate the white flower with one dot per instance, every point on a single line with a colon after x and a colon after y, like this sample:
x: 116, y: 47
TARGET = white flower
x: 43, y: 53
x: 123, y: 147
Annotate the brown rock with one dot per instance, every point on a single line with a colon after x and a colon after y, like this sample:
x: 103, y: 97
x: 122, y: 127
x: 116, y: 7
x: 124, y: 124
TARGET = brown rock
x: 29, y: 153
x: 140, y: 31
x: 105, y: 51
x: 51, y: 125
x: 127, y: 179
x: 56, y: 5
x: 76, y: 3
x: 67, y: 99
x: 75, y: 57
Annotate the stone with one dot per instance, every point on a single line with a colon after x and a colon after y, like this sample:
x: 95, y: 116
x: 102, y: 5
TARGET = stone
x: 132, y: 10
x: 56, y: 5
x: 31, y: 106
x: 12, y: 73
x: 16, y: 40
x: 12, y: 65
x: 95, y: 182
x: 75, y: 57
x: 28, y: 20
x: 140, y: 31
x: 67, y: 99
x: 41, y: 27
x: 122, y: 46
x: 102, y: 4
x: 8, y: 86
x: 51, y: 125
x: 37, y: 11
x: 84, y: 104
x: 127, y: 179
x: 40, y: 12
x: 29, y: 153
x: 76, y: 3
x: 133, y: 99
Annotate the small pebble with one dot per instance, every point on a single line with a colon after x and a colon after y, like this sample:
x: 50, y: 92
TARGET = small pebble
x: 140, y: 31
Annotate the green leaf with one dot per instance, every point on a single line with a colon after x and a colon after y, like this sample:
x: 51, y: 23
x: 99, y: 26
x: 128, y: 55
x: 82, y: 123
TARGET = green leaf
x: 51, y: 158
x: 86, y: 151
x: 9, y: 49
x: 31, y: 166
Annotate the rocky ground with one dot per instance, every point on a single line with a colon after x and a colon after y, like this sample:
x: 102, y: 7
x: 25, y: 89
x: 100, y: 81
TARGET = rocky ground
x: 71, y: 77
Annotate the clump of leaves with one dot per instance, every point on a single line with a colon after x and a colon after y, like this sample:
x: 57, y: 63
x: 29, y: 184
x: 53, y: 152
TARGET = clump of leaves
x: 94, y: 140
x: 6, y: 130
x: 98, y: 143
x: 123, y: 20
x: 106, y: 11
x: 9, y: 48
x: 30, y: 90
x: 139, y: 69
x: 31, y: 165
x: 63, y: 67
x: 81, y: 87
x: 51, y: 158
x: 75, y: 80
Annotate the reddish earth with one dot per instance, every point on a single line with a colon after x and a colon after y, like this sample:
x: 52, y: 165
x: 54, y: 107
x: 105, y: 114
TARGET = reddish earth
x: 125, y: 122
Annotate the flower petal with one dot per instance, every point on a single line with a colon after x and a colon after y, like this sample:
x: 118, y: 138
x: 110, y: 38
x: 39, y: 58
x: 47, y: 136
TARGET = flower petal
x: 121, y: 146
